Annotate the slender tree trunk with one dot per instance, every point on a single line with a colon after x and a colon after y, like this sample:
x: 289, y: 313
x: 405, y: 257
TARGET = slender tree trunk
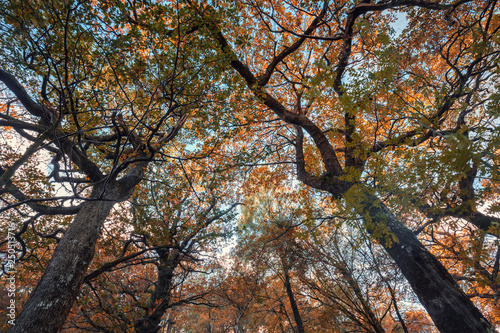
x: 293, y: 303
x: 450, y: 309
x: 398, y: 313
x: 393, y: 295
x: 366, y: 310
x: 49, y: 304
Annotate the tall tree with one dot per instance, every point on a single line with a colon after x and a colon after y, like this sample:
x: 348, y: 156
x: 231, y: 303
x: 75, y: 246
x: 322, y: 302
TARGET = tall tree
x: 334, y: 71
x: 388, y: 124
x: 86, y: 87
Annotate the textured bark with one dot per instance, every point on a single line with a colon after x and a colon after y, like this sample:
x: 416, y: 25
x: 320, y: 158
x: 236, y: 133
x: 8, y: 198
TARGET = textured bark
x: 445, y: 302
x: 450, y: 309
x: 160, y: 301
x: 49, y: 304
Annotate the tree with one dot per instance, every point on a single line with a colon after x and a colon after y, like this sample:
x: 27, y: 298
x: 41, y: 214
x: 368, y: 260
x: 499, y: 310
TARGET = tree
x: 272, y: 247
x: 346, y: 284
x: 299, y: 73
x: 392, y: 129
x: 326, y: 268
x: 100, y: 97
x: 152, y: 272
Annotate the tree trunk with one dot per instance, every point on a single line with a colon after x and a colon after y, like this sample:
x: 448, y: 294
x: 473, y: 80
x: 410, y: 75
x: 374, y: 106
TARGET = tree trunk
x: 365, y: 309
x: 160, y: 301
x: 293, y: 304
x: 450, y: 309
x: 49, y: 304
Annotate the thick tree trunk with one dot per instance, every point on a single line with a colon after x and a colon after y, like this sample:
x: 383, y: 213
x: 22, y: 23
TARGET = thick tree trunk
x: 293, y: 303
x: 450, y: 309
x: 160, y: 301
x: 49, y: 304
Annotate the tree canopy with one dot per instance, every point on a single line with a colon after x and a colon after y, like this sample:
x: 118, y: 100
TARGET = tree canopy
x: 243, y: 166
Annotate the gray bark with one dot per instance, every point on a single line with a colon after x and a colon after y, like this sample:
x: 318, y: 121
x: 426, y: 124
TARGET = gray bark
x: 450, y: 309
x: 49, y: 304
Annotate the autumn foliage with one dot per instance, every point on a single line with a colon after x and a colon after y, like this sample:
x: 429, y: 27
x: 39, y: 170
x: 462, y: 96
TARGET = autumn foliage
x: 249, y: 166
